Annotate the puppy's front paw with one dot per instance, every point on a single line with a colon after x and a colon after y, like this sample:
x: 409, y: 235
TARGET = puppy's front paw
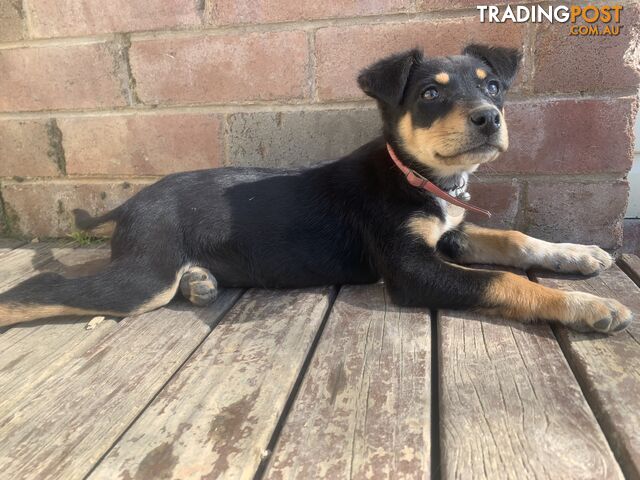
x: 588, y: 313
x: 199, y: 286
x: 584, y: 259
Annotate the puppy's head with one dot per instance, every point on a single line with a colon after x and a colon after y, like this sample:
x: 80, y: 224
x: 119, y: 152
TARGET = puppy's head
x: 446, y: 112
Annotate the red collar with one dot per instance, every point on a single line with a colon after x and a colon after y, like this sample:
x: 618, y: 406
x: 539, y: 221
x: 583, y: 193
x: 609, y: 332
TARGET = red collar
x: 417, y: 180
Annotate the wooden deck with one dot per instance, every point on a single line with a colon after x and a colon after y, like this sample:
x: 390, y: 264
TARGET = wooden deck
x: 321, y: 383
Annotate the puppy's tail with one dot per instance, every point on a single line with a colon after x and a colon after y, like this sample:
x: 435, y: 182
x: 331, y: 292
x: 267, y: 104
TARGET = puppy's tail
x: 84, y: 220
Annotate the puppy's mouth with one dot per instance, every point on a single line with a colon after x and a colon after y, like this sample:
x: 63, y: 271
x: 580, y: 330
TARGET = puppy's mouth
x: 487, y: 148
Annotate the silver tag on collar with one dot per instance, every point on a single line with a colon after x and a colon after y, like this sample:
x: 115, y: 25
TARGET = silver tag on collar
x: 461, y: 190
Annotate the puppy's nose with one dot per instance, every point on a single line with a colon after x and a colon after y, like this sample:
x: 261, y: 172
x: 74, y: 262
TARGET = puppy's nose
x: 486, y: 120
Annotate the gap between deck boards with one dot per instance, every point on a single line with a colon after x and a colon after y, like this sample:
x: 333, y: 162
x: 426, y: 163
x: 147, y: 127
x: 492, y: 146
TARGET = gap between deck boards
x: 260, y: 471
x: 439, y: 460
x: 435, y: 374
x: 578, y: 368
x: 436, y: 458
x: 164, y: 385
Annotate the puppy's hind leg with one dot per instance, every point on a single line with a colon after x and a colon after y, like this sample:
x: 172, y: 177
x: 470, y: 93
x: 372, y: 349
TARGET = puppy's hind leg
x: 199, y: 286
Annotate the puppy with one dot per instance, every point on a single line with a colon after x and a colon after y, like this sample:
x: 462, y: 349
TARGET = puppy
x: 390, y: 210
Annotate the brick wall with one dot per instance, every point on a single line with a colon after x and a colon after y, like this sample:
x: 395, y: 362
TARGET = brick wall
x: 99, y: 98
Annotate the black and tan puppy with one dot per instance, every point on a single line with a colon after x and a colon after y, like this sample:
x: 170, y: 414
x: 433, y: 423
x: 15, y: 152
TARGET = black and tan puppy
x: 351, y: 221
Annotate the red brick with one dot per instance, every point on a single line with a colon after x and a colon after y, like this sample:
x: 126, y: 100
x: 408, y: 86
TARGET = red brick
x: 41, y: 78
x: 141, y: 144
x: 343, y: 51
x: 588, y: 213
x: 11, y: 20
x: 230, y: 68
x: 568, y: 136
x: 299, y: 138
x: 44, y: 209
x: 263, y: 11
x: 26, y: 149
x: 568, y: 63
x: 53, y: 18
x: 500, y: 198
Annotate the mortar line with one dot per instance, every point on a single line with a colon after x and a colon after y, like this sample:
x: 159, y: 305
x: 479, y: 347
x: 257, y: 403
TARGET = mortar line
x: 56, y: 146
x: 58, y: 41
x: 4, y: 216
x: 291, y: 106
x: 226, y: 141
x: 313, y: 67
x: 533, y: 38
x: 74, y: 179
x: 27, y: 26
x: 201, y: 9
x: 204, y: 28
x: 124, y: 45
x: 141, y: 179
x: 522, y: 216
x: 247, y: 28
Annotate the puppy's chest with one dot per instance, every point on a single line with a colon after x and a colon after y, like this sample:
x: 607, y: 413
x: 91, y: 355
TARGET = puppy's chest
x: 453, y: 215
x: 430, y: 227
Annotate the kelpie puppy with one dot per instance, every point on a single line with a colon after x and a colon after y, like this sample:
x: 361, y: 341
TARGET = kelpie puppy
x: 390, y: 210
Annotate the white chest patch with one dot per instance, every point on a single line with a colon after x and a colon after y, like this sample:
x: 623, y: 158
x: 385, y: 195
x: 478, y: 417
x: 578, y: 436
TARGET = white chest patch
x: 454, y: 215
x: 431, y: 228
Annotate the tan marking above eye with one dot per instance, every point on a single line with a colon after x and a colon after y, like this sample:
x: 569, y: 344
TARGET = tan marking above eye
x: 481, y: 74
x: 442, y: 78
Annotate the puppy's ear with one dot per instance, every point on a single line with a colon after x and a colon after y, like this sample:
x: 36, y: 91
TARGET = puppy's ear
x: 503, y: 61
x: 386, y: 79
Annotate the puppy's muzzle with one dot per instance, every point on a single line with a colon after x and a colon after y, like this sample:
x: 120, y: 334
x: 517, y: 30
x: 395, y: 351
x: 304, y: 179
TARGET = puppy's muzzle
x: 485, y: 120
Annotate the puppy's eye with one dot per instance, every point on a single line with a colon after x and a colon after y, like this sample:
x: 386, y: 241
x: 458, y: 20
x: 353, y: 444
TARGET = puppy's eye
x: 493, y: 88
x: 430, y: 93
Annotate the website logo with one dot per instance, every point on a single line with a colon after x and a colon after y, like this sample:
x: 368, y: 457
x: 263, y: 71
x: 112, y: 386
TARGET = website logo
x: 589, y: 20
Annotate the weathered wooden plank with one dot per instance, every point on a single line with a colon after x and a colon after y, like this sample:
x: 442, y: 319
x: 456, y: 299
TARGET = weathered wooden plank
x: 216, y: 417
x: 70, y: 419
x: 608, y: 367
x: 510, y: 406
x: 22, y: 263
x: 630, y: 264
x: 8, y: 244
x: 364, y: 408
x: 66, y: 260
x: 32, y: 351
x: 34, y: 357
